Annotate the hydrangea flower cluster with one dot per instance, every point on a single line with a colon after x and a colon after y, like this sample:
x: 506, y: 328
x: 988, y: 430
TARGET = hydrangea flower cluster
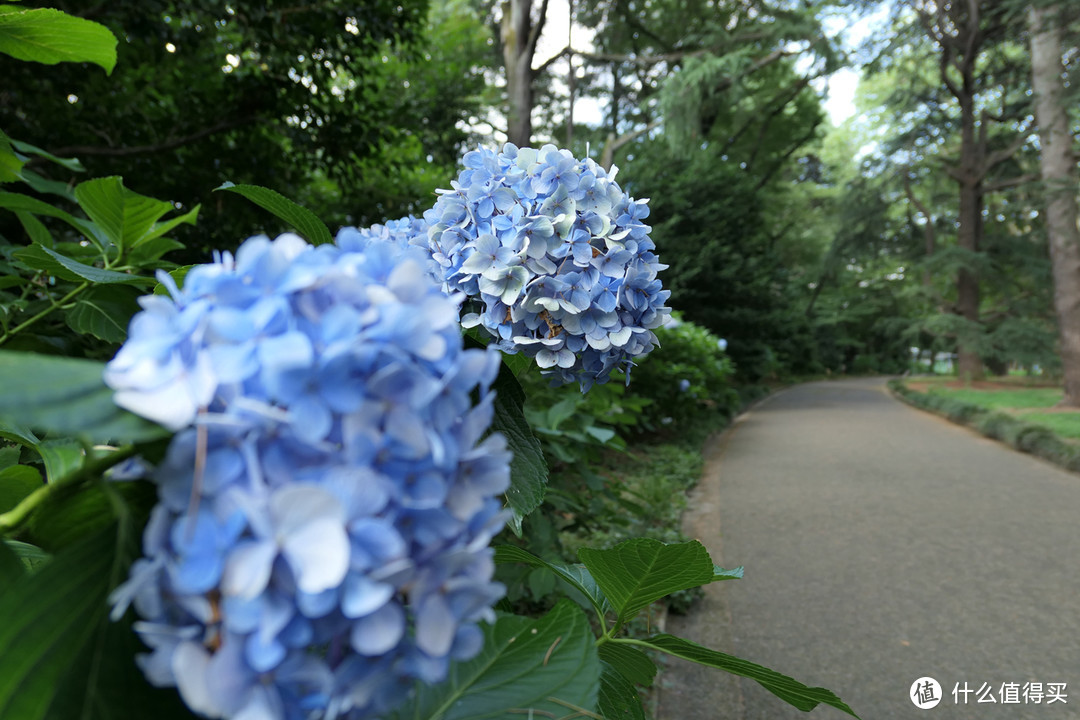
x: 557, y: 255
x: 321, y: 538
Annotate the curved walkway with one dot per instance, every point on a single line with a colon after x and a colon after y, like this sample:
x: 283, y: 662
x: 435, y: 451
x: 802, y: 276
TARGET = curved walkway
x: 881, y: 545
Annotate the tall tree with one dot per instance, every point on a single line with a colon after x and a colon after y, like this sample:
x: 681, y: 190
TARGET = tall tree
x: 1059, y: 175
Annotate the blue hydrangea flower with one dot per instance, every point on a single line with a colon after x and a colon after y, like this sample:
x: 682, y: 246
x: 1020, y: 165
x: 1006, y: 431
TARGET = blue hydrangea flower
x: 554, y: 257
x: 321, y: 539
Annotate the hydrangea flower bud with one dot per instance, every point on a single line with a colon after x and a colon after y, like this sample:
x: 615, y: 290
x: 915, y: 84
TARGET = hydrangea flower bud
x: 556, y: 257
x: 321, y: 537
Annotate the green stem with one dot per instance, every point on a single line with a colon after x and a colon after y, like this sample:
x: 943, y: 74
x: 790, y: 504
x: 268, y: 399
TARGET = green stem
x: 52, y: 306
x: 91, y: 469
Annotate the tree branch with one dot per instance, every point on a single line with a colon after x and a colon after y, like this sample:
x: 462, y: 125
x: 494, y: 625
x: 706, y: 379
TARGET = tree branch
x: 171, y: 144
x: 999, y: 156
x: 607, y: 157
x: 1008, y: 183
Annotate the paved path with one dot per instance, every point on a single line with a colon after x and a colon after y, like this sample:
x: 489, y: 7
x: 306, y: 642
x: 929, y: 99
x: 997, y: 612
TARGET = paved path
x: 881, y: 544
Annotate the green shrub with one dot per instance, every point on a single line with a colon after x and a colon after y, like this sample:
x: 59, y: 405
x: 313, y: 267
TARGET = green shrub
x: 686, y: 379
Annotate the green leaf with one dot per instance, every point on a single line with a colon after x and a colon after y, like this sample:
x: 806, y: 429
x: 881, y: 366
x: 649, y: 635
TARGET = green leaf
x: 9, y: 457
x: 15, y: 201
x: 30, y: 556
x: 124, y: 216
x: 152, y: 250
x: 618, y: 698
x: 17, y: 432
x: 60, y: 457
x: 303, y: 220
x: 162, y: 228
x: 11, y: 163
x: 528, y: 469
x: 66, y: 396
x: 638, y: 572
x: 631, y: 663
x: 34, y: 228
x: 72, y: 164
x: 16, y: 482
x: 47, y: 260
x: 45, y: 186
x: 11, y: 568
x: 49, y: 616
x: 50, y: 36
x: 577, y: 576
x: 177, y: 275
x: 104, y: 312
x: 528, y: 668
x: 790, y: 691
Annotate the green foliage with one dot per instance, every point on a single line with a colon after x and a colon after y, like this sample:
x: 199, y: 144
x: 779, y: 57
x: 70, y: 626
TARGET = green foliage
x: 621, y: 581
x: 686, y: 379
x: 548, y: 667
x: 50, y: 36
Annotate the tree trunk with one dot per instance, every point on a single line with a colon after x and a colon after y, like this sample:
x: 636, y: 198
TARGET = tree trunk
x: 969, y: 365
x: 1059, y: 176
x: 518, y: 49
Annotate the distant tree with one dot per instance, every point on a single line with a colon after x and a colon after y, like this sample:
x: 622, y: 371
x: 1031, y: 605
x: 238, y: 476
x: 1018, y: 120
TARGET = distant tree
x: 310, y: 99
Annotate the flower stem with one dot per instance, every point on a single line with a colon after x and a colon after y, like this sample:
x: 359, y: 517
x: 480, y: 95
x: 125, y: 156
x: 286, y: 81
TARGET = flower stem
x: 52, y: 306
x: 15, y: 518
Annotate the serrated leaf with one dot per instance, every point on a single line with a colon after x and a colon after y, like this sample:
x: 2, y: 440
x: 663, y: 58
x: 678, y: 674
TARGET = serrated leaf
x: 528, y: 469
x: 49, y: 616
x: 301, y: 219
x: 66, y: 396
x: 541, y: 668
x: 618, y: 699
x: 633, y: 664
x: 48, y: 260
x: 49, y: 36
x: 161, y: 228
x: 638, y: 572
x: 787, y: 689
x: 16, y: 482
x: 577, y: 576
x: 104, y: 312
x: 123, y: 215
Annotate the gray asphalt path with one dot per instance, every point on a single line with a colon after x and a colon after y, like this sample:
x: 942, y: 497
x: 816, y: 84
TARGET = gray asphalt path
x: 881, y: 545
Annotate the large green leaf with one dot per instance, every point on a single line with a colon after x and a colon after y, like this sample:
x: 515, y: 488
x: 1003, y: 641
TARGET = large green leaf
x: 618, y: 698
x: 16, y: 482
x: 528, y: 469
x: 11, y: 163
x: 790, y: 691
x: 528, y: 668
x: 126, y: 217
x: 303, y: 220
x: 577, y: 576
x: 631, y: 663
x: 66, y: 396
x: 104, y: 312
x: 61, y: 457
x: 48, y: 260
x: 49, y: 617
x: 638, y: 572
x: 11, y: 569
x: 50, y: 36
